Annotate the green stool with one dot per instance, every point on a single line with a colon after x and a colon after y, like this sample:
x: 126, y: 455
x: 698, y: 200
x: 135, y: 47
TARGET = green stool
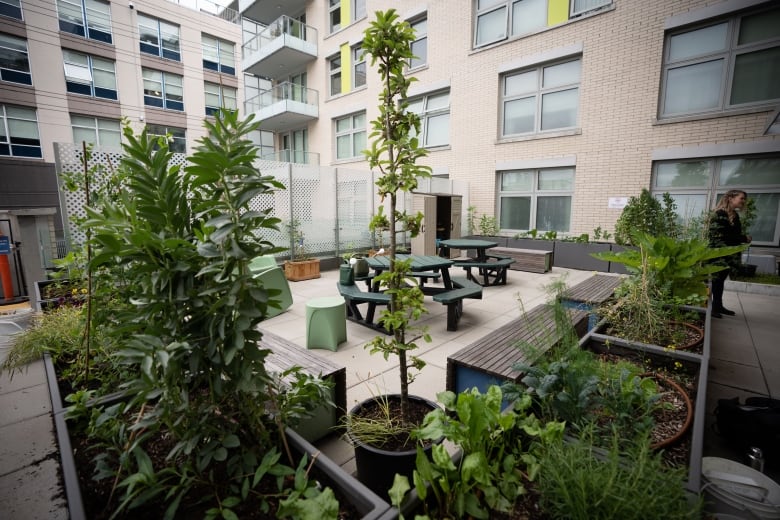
x: 326, y: 322
x: 273, y: 278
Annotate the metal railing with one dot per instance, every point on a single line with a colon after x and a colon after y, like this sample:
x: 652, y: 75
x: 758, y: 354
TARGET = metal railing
x: 281, y: 92
x: 293, y: 156
x: 279, y: 27
x: 212, y: 8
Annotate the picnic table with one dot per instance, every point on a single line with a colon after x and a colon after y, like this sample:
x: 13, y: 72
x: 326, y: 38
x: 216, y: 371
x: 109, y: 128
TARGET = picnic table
x: 490, y: 269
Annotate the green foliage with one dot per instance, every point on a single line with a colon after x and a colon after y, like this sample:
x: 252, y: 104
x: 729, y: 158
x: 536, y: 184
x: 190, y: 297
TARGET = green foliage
x: 298, y: 251
x: 646, y: 214
x: 488, y: 225
x: 183, y: 239
x: 58, y: 332
x: 471, y: 219
x: 534, y: 234
x: 378, y: 224
x: 394, y: 152
x: 601, y: 234
x: 679, y: 268
x: 497, y: 455
x: 579, y: 481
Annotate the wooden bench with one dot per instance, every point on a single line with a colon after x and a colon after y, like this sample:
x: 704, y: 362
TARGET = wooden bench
x: 354, y: 296
x: 490, y: 360
x: 531, y: 260
x: 589, y: 294
x: 284, y: 355
x: 453, y: 299
x: 493, y: 272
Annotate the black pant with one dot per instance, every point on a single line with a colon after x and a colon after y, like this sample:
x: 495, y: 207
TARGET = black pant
x: 717, y: 283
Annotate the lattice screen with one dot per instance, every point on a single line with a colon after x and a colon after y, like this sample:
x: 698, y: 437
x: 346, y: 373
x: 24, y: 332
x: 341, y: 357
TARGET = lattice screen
x: 332, y: 205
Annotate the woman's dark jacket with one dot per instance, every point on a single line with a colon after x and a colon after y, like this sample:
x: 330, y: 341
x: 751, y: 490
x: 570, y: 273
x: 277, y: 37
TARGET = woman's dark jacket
x: 723, y: 232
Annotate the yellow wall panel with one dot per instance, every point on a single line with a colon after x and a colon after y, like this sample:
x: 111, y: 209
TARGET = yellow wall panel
x: 557, y: 12
x: 346, y: 67
x: 346, y: 15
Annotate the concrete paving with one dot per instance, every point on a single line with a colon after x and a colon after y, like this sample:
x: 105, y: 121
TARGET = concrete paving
x: 745, y: 361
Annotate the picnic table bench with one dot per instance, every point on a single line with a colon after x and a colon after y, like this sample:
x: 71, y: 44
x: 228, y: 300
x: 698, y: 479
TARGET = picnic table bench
x: 531, y: 260
x: 284, y: 355
x: 589, y: 294
x: 492, y: 269
x: 453, y: 299
x: 354, y: 296
x: 490, y: 360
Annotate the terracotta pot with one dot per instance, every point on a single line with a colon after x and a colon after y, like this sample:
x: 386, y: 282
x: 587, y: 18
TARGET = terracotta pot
x: 667, y: 382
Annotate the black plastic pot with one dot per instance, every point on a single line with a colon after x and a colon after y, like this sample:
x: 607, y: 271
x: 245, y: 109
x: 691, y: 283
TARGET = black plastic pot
x: 377, y: 467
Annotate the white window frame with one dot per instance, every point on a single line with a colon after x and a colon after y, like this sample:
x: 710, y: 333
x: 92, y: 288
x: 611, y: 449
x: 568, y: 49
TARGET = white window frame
x: 99, y: 128
x: 93, y: 15
x: 710, y: 189
x: 352, y: 133
x: 538, y: 96
x: 166, y: 81
x: 224, y: 96
x: 358, y: 65
x: 420, y: 40
x: 220, y: 52
x: 427, y: 113
x: 729, y: 55
x: 579, y: 7
x: 8, y: 135
x: 17, y: 46
x: 177, y: 143
x: 534, y: 194
x: 334, y: 9
x: 334, y: 73
x: 162, y: 29
x: 12, y: 9
x: 84, y: 73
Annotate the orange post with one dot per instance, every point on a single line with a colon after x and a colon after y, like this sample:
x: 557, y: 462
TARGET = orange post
x: 5, y: 277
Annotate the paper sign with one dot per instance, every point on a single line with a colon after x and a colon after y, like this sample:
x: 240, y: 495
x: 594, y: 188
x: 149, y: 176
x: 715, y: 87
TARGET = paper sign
x: 617, y: 202
x: 5, y: 245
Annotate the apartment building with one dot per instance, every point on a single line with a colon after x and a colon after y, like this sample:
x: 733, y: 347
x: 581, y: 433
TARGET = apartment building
x: 71, y: 70
x: 554, y: 111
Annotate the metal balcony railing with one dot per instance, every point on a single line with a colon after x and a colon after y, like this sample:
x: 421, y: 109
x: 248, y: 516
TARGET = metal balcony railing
x: 293, y: 156
x: 282, y: 92
x: 212, y: 8
x: 283, y: 25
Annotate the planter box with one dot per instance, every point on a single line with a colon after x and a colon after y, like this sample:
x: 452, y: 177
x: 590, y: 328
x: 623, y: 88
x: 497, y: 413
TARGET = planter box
x: 44, y: 303
x: 576, y: 255
x: 302, y: 270
x: 365, y: 502
x: 615, y: 267
x: 699, y: 363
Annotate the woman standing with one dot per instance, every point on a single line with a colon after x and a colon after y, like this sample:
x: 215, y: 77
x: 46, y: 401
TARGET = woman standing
x: 725, y: 229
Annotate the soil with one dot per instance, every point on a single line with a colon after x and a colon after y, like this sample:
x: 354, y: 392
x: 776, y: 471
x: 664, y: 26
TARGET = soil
x: 390, y: 410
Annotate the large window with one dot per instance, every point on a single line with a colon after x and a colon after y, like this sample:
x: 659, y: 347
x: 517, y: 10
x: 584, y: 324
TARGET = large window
x: 541, y: 99
x: 11, y: 9
x: 219, y: 55
x: 499, y: 20
x: 536, y: 199
x: 88, y: 18
x: 351, y: 136
x: 218, y: 97
x: 19, y: 132
x: 420, y: 44
x: 728, y: 64
x: 14, y: 60
x: 89, y: 75
x: 338, y: 19
x: 358, y: 67
x: 696, y: 185
x: 334, y: 70
x: 434, y: 112
x: 159, y: 37
x: 177, y: 137
x: 163, y: 89
x: 100, y: 132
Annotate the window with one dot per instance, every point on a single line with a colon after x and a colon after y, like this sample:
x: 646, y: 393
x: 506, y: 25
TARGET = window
x: 536, y: 199
x: 358, y: 67
x: 420, y: 44
x: 100, y: 132
x: 541, y: 99
x: 219, y: 55
x: 19, y: 132
x: 728, y: 64
x: 434, y: 112
x: 502, y: 19
x: 218, y: 97
x: 177, y: 141
x: 89, y: 75
x: 334, y: 65
x: 88, y: 18
x: 697, y: 184
x: 163, y: 89
x: 358, y: 11
x: 159, y: 38
x: 351, y: 136
x: 11, y: 9
x: 14, y: 61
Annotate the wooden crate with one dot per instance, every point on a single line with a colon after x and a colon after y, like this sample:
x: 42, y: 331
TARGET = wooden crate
x: 531, y: 260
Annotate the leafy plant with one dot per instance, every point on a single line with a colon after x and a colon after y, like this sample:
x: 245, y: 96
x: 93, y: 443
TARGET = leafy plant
x: 185, y: 239
x: 601, y: 234
x: 496, y: 460
x: 580, y: 481
x: 394, y: 152
x: 298, y: 251
x: 378, y: 224
x: 488, y: 225
x: 646, y: 214
x: 471, y: 219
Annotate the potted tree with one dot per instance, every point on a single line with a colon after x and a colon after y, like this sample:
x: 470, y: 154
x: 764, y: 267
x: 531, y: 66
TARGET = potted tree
x: 394, y: 152
x: 300, y: 266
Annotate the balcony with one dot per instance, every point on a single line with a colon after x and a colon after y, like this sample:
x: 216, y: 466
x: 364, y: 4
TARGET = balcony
x: 293, y: 156
x: 266, y: 11
x: 284, y: 107
x: 283, y: 47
